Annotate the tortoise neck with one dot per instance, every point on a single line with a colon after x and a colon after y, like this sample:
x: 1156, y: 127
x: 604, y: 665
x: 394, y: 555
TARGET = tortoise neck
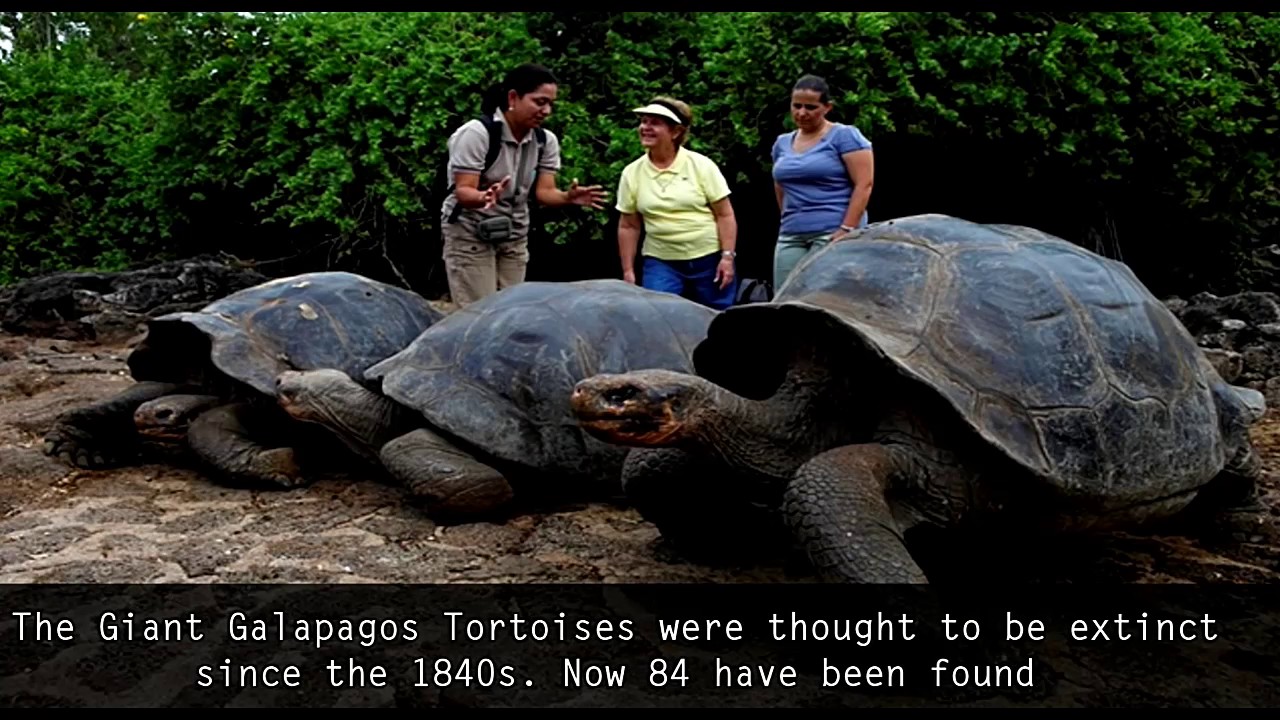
x: 774, y: 436
x: 366, y: 421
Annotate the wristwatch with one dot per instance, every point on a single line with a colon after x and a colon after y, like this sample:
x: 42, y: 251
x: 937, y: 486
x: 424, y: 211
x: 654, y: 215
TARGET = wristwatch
x: 728, y: 253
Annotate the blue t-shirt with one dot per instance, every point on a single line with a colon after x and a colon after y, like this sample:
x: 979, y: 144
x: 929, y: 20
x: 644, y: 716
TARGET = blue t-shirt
x: 816, y: 185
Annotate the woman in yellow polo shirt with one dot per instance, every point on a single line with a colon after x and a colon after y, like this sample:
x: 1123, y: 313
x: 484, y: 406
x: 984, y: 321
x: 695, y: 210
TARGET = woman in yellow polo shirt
x: 680, y: 199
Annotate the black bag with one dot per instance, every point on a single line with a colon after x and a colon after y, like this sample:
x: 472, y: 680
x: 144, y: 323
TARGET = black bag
x: 754, y: 291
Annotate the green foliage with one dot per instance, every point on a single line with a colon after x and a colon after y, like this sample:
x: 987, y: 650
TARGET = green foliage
x: 75, y: 142
x: 126, y: 136
x: 337, y: 119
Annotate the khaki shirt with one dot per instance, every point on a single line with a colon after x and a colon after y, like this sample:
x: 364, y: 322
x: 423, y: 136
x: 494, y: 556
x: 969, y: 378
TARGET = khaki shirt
x: 467, y: 148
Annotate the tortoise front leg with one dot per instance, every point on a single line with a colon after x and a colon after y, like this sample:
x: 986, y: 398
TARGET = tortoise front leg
x: 1238, y: 481
x: 448, y: 480
x: 837, y: 510
x: 227, y: 438
x: 102, y: 434
x: 1233, y: 490
x: 700, y: 506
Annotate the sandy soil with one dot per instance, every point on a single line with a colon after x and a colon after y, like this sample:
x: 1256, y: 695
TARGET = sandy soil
x: 165, y: 522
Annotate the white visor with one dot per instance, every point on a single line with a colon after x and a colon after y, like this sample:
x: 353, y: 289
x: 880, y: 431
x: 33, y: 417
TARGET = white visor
x: 656, y: 109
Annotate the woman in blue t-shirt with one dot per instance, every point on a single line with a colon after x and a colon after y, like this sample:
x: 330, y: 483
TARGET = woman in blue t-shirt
x: 822, y: 174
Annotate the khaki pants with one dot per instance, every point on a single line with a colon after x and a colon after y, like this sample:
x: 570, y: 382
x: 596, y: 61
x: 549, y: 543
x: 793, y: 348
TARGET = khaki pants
x: 478, y: 269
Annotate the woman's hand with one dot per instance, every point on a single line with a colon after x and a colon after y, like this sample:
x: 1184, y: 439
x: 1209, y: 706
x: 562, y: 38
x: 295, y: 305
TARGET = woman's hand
x: 586, y: 195
x: 493, y: 192
x: 724, y: 271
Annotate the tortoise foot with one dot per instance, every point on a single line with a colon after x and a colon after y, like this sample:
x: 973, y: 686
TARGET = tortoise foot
x: 447, y: 480
x: 278, y: 466
x: 76, y: 442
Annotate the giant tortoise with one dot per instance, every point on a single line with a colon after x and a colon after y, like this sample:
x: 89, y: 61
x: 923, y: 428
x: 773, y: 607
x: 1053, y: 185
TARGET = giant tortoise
x: 934, y: 370
x: 475, y: 412
x: 209, y: 376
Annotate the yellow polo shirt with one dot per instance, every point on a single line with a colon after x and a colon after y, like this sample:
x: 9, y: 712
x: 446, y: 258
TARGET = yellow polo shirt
x: 675, y: 204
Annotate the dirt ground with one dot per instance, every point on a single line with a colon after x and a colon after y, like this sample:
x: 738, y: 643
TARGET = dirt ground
x: 164, y: 522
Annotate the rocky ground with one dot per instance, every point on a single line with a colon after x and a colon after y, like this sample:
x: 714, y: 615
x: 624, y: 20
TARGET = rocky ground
x: 165, y: 522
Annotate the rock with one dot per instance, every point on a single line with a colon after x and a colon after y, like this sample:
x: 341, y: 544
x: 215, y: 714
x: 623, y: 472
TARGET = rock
x: 1228, y: 363
x: 1261, y: 360
x: 1240, y: 336
x: 1255, y: 308
x: 107, y: 306
x: 1207, y: 313
x: 1271, y: 391
x: 1214, y: 340
x: 113, y: 326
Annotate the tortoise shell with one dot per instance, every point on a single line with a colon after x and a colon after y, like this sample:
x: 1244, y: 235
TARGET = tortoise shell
x: 1060, y: 358
x: 311, y: 321
x: 499, y: 373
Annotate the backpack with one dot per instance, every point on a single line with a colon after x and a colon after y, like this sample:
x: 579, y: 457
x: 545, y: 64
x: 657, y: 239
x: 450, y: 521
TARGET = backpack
x: 494, y: 127
x: 754, y: 291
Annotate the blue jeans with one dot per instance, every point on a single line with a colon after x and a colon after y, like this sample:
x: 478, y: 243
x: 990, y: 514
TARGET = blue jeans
x: 791, y: 249
x: 694, y: 279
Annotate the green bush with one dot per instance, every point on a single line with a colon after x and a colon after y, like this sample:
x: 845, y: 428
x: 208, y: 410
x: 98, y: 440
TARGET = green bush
x: 320, y: 136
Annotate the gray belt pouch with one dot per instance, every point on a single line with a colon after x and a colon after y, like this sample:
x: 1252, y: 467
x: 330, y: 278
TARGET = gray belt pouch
x: 494, y: 229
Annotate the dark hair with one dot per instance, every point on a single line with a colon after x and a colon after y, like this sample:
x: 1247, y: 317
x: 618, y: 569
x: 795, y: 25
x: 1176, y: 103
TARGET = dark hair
x: 814, y: 83
x: 523, y: 79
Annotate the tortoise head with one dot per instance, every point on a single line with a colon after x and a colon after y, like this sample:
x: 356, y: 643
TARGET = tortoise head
x: 167, y: 418
x: 643, y: 408
x: 313, y: 395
